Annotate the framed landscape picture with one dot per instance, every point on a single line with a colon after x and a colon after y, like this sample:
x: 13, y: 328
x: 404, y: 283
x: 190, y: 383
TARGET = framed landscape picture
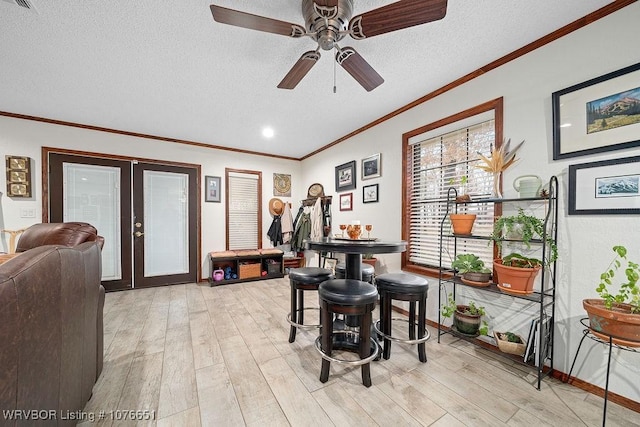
x: 346, y: 202
x: 605, y: 188
x: 599, y: 115
x: 370, y: 193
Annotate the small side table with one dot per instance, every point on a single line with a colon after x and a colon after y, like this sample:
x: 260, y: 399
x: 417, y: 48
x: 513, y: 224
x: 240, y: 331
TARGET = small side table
x: 608, y: 340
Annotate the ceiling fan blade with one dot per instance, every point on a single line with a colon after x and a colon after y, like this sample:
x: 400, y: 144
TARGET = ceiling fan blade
x: 396, y: 16
x: 300, y: 69
x: 255, y: 22
x: 359, y: 69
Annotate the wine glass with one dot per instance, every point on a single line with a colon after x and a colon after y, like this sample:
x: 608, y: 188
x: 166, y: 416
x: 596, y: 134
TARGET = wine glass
x: 343, y: 227
x: 368, y: 227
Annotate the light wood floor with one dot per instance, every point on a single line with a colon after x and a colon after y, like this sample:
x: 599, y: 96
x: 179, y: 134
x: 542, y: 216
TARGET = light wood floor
x: 220, y: 356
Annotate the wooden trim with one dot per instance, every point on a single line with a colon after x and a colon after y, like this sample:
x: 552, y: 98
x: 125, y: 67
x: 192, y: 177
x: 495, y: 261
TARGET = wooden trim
x: 594, y: 389
x: 140, y: 135
x: 559, y: 33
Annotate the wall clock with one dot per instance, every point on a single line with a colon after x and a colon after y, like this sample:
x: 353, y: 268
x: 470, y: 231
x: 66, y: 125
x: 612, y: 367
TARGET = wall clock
x: 18, y: 176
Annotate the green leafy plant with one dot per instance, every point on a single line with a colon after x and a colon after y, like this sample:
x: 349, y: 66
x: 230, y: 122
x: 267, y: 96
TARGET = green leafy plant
x: 628, y: 291
x: 511, y: 337
x: 529, y: 226
x: 470, y: 309
x: 469, y: 263
x: 518, y: 260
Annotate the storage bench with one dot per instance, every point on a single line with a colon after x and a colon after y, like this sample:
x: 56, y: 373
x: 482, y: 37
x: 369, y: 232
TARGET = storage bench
x: 245, y: 265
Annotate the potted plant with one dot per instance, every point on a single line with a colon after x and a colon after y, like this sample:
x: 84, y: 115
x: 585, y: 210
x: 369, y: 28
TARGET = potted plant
x: 472, y: 269
x: 617, y: 313
x: 515, y: 272
x: 369, y: 259
x: 509, y: 342
x: 467, y: 319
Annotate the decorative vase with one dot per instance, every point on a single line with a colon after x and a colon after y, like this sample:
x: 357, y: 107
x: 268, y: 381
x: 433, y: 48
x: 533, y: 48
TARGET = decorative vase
x: 466, y: 324
x: 354, y: 231
x: 496, y: 192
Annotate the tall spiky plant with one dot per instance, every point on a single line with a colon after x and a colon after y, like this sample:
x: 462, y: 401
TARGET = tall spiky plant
x: 501, y: 158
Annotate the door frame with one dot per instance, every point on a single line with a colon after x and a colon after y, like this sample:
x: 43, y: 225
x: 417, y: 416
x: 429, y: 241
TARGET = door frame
x: 45, y: 151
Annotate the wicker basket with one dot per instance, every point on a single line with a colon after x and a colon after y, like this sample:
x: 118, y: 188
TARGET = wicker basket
x: 510, y: 347
x: 246, y: 271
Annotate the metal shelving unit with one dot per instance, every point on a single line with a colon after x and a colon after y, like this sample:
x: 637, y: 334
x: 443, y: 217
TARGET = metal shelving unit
x: 544, y: 299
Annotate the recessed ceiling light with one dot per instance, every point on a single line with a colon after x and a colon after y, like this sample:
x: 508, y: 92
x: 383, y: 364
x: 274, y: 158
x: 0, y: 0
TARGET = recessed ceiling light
x: 268, y: 132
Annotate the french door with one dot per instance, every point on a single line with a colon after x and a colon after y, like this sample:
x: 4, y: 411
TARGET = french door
x: 147, y: 213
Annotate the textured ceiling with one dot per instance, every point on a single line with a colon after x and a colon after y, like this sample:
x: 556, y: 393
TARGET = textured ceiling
x: 165, y: 68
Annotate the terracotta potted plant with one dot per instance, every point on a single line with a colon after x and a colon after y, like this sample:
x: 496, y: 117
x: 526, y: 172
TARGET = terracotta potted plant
x: 617, y: 313
x: 472, y: 270
x: 516, y: 273
x: 369, y: 259
x: 462, y: 223
x: 467, y: 319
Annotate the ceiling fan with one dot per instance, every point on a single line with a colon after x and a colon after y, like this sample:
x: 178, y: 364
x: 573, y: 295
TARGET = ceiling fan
x: 329, y: 21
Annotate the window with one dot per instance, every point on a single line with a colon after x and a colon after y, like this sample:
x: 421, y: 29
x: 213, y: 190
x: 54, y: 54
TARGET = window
x: 244, y: 219
x: 437, y: 157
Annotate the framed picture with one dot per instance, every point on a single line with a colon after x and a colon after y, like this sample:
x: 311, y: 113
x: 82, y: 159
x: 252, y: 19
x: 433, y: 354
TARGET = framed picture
x: 281, y: 185
x: 371, y: 167
x: 605, y: 188
x: 346, y: 176
x: 601, y: 114
x: 18, y: 176
x: 330, y: 263
x: 346, y: 202
x: 212, y: 189
x: 370, y: 193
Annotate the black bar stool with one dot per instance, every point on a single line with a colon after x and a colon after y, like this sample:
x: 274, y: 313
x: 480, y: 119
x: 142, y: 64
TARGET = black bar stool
x: 368, y: 272
x: 303, y: 279
x: 403, y: 287
x: 351, y: 298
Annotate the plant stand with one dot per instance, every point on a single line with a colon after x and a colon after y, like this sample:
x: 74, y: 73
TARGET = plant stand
x: 604, y: 339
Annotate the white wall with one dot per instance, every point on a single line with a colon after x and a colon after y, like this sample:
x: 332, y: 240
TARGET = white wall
x: 584, y: 241
x: 26, y: 138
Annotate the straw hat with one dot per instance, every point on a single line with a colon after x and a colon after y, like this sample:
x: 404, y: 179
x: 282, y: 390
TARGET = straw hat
x: 276, y: 206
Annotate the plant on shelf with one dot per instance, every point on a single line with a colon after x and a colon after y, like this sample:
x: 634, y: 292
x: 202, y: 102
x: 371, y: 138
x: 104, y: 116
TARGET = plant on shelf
x: 526, y: 228
x: 471, y: 268
x: 369, y: 259
x: 501, y: 158
x: 617, y: 313
x: 462, y: 195
x: 467, y: 319
x: 509, y: 342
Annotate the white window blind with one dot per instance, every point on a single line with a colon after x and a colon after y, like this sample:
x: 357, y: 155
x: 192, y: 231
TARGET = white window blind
x: 242, y: 210
x: 437, y: 164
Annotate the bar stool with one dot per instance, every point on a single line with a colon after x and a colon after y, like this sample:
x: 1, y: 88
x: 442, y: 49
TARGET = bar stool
x: 351, y: 298
x: 303, y: 279
x: 403, y: 287
x: 368, y: 272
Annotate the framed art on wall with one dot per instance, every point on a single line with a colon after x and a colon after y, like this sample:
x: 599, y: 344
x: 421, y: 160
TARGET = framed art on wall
x: 370, y: 193
x: 212, y: 189
x: 281, y: 185
x: 346, y: 202
x: 18, y: 176
x: 605, y: 188
x: 599, y: 115
x: 371, y: 167
x: 346, y: 176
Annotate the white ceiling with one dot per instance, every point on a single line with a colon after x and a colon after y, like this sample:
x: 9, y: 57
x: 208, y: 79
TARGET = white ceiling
x: 165, y: 68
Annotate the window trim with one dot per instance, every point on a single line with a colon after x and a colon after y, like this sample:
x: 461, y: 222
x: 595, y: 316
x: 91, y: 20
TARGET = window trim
x: 497, y: 106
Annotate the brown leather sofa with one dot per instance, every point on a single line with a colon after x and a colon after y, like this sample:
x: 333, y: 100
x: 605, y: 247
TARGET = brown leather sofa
x: 51, y: 330
x: 58, y: 233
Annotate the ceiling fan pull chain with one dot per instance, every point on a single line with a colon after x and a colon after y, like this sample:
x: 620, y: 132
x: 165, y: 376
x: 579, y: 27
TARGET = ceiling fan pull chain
x: 334, y: 76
